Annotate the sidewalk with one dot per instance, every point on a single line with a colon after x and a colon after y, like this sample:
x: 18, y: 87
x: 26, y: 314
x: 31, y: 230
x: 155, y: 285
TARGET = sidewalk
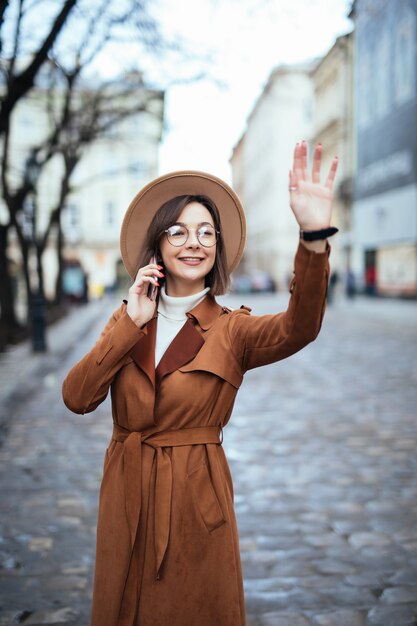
x: 379, y: 308
x: 22, y: 371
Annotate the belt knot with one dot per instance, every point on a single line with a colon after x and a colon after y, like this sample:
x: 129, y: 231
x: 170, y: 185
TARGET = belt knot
x: 132, y: 475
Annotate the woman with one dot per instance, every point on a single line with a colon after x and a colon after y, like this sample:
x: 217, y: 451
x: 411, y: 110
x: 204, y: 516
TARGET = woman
x: 167, y: 542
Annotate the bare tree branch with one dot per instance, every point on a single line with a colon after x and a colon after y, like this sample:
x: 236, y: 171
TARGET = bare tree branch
x: 3, y: 6
x: 54, y: 218
x: 19, y: 85
x: 16, y: 39
x: 80, y: 110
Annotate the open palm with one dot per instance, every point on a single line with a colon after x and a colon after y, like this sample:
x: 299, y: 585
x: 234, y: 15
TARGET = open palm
x: 310, y: 200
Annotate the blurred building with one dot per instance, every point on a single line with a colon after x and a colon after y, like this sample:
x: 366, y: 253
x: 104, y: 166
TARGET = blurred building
x: 282, y: 115
x: 110, y: 172
x: 333, y: 81
x: 385, y: 205
x: 239, y: 185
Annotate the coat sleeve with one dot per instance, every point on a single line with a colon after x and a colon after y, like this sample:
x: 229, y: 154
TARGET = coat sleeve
x: 263, y: 339
x: 87, y: 384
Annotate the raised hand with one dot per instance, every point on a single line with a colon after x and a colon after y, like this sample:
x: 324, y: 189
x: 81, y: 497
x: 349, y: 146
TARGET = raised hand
x: 310, y: 200
x: 139, y: 307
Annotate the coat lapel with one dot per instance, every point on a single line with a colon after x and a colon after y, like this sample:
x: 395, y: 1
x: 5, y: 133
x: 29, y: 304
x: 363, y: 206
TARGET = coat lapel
x: 183, y: 348
x: 143, y: 352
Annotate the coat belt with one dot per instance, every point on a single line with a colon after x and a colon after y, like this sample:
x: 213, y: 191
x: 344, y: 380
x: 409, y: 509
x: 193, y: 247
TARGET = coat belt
x: 132, y: 474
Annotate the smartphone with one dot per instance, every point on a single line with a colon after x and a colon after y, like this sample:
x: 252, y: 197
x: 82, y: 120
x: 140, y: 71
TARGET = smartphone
x: 152, y: 289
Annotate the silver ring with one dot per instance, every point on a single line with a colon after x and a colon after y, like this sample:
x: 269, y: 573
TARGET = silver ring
x: 293, y: 188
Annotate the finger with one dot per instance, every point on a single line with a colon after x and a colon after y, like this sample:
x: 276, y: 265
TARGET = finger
x: 150, y: 278
x: 148, y: 271
x: 151, y: 275
x: 154, y: 271
x: 304, y: 159
x: 332, y: 173
x: 316, y: 164
x: 298, y: 162
x: 294, y: 157
x: 292, y: 184
x: 137, y: 287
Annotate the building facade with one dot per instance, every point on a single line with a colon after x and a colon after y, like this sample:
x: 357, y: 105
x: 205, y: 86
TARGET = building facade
x: 385, y: 205
x: 110, y: 172
x: 282, y: 115
x: 333, y: 80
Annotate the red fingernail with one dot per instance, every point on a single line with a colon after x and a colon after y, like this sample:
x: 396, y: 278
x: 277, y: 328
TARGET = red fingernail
x: 160, y: 267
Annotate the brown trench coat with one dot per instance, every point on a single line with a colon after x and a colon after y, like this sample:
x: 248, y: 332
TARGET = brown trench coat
x: 167, y: 541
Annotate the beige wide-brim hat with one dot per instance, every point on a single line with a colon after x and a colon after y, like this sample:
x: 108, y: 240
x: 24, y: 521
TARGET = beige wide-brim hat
x: 147, y: 202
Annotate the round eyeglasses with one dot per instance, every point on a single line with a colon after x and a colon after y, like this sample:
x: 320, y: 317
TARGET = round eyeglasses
x: 178, y: 234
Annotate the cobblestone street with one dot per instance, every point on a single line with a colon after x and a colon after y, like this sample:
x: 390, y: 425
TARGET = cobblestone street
x: 322, y: 449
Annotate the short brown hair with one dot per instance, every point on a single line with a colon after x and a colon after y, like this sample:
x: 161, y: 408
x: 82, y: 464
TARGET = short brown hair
x: 218, y: 278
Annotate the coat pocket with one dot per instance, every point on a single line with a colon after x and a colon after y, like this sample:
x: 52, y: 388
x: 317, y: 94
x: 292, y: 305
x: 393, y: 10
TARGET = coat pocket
x: 205, y: 497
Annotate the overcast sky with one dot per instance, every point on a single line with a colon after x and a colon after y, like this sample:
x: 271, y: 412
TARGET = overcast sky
x: 250, y: 38
x: 244, y: 40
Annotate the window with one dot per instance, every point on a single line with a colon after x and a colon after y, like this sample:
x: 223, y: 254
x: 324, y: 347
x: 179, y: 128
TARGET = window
x: 364, y: 90
x: 109, y: 214
x: 382, y: 67
x: 405, y: 56
x: 110, y: 167
x: 73, y: 215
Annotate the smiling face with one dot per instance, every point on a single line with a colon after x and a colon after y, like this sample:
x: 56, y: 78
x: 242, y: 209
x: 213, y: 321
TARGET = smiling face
x: 186, y: 266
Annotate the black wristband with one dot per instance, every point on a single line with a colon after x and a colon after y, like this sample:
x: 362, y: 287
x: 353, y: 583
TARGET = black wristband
x: 314, y: 235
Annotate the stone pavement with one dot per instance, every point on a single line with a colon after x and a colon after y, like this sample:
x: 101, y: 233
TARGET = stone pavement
x: 21, y: 370
x: 322, y: 452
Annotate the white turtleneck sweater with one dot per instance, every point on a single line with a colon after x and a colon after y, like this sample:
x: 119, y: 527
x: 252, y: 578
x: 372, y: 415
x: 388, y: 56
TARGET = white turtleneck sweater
x: 172, y: 316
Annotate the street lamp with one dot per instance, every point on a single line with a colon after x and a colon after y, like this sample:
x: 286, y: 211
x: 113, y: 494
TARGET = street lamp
x: 37, y: 305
